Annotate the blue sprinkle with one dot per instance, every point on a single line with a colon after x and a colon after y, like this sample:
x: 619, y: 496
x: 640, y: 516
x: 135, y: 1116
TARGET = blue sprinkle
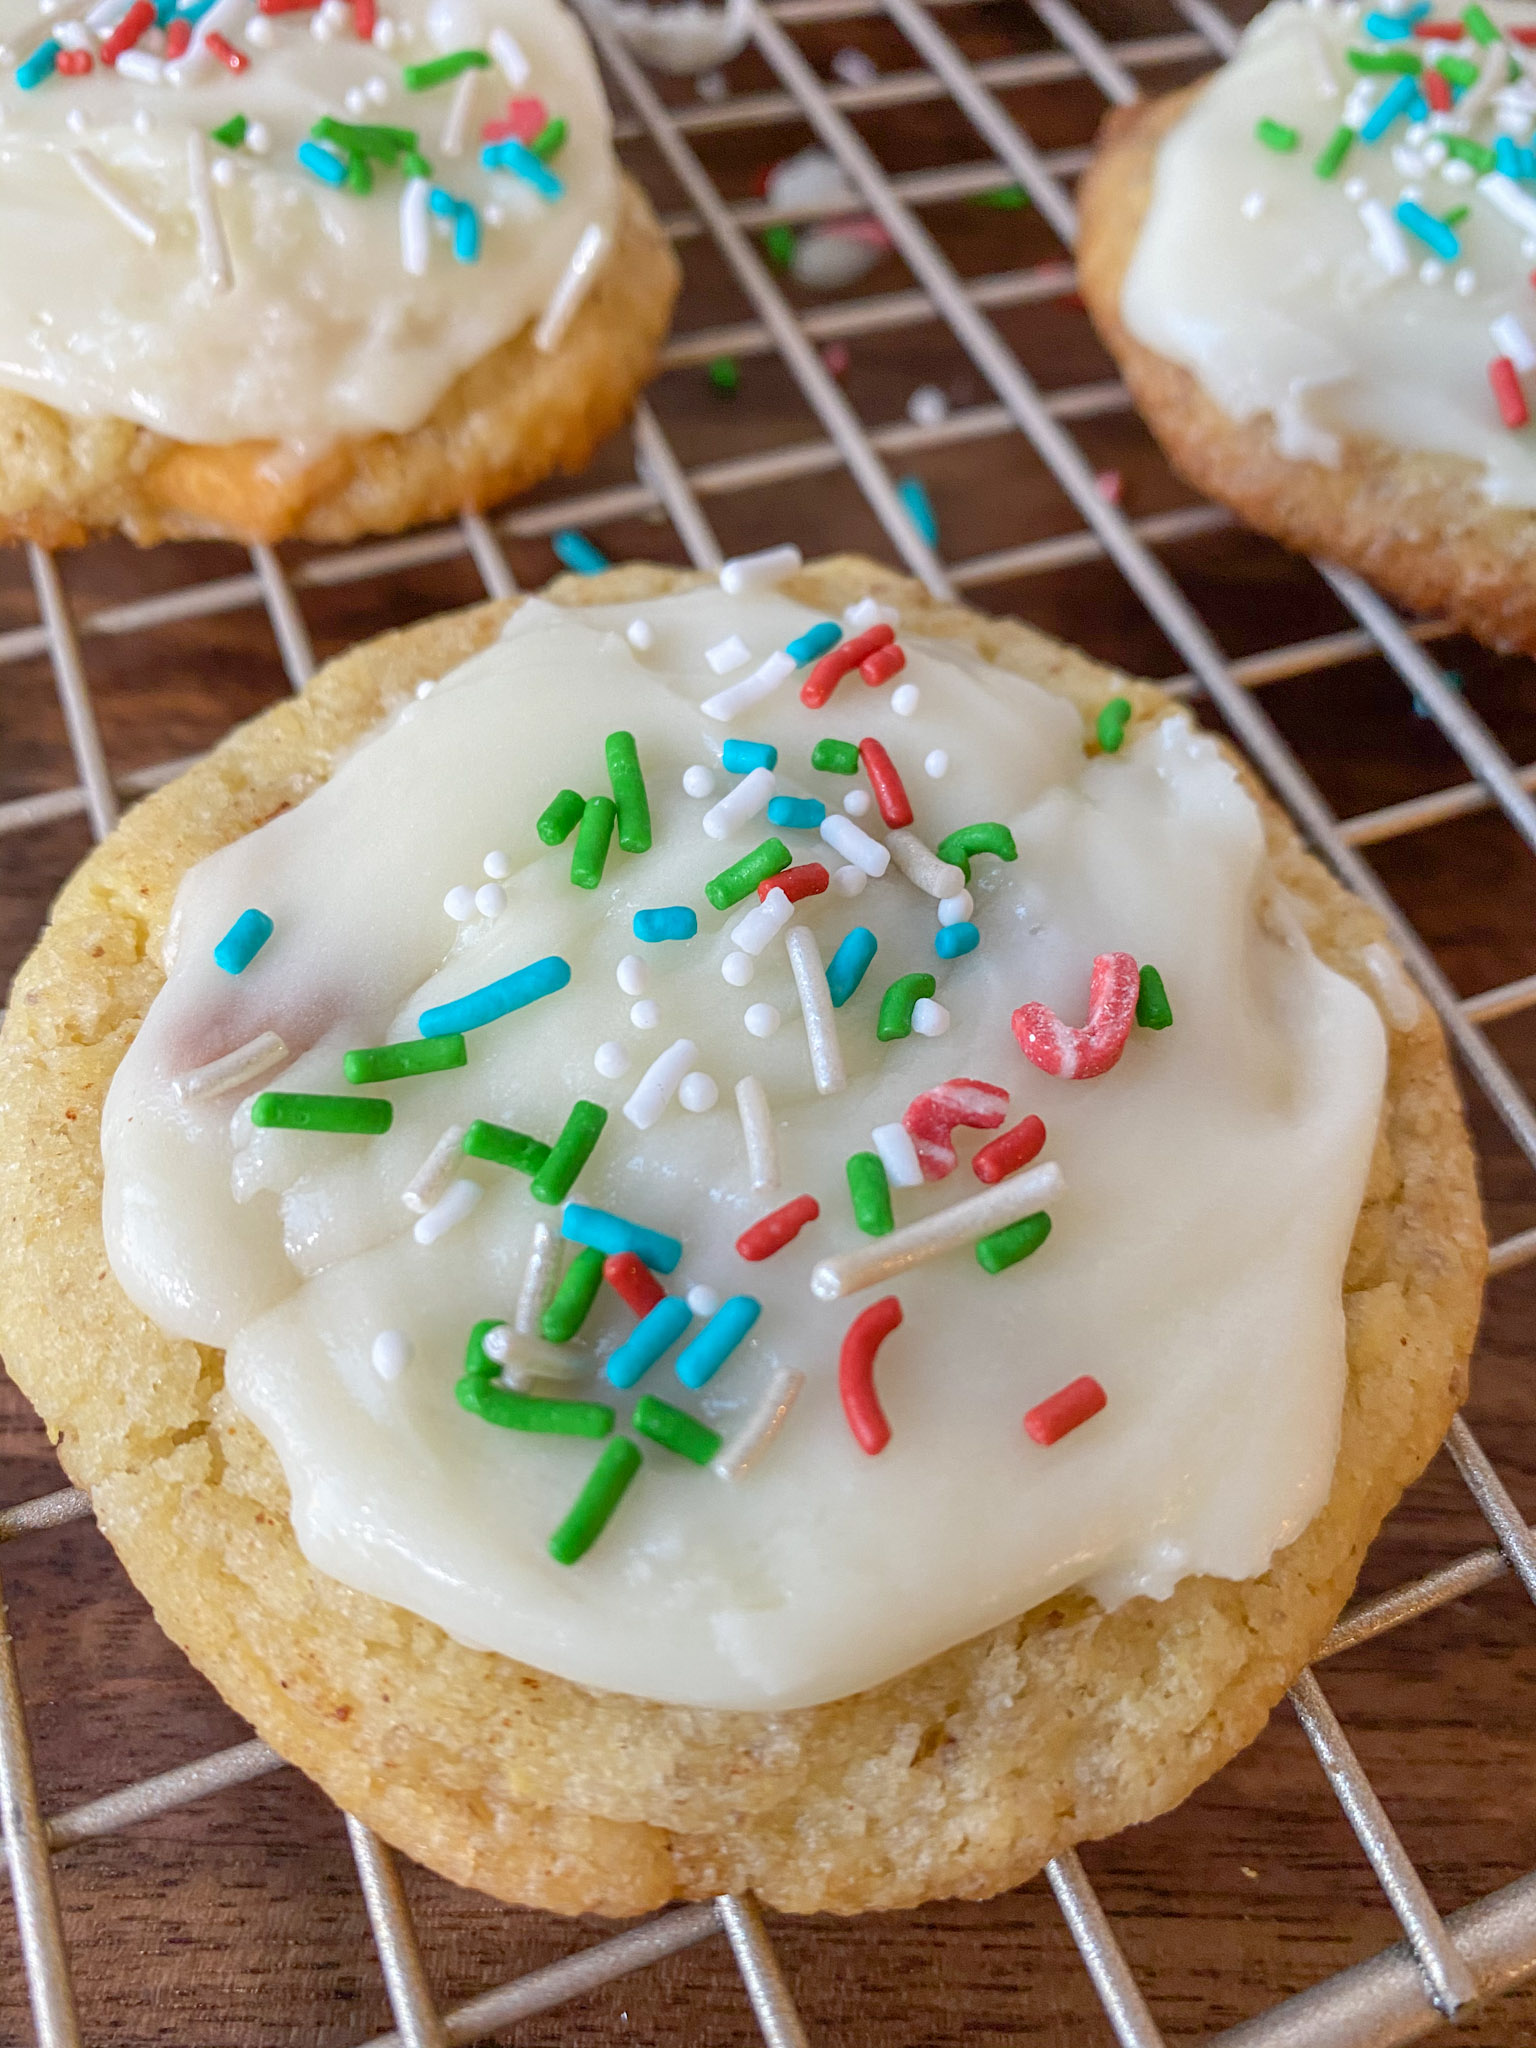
x: 1391, y: 28
x: 799, y: 813
x: 325, y: 163
x: 677, y: 921
x: 579, y: 553
x: 194, y: 10
x: 442, y: 203
x: 814, y: 643
x: 1428, y: 229
x: 1397, y: 101
x: 466, y: 234
x: 497, y: 998
x: 243, y: 941
x: 717, y: 1340
x: 164, y: 9
x: 951, y: 940
x: 911, y: 493
x: 850, y: 963
x: 656, y: 1332
x: 1511, y: 159
x: 514, y: 156
x: 610, y: 1233
x: 740, y: 757
x: 39, y: 65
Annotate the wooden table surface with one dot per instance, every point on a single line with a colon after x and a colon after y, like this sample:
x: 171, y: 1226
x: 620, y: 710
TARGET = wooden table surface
x: 237, y: 1923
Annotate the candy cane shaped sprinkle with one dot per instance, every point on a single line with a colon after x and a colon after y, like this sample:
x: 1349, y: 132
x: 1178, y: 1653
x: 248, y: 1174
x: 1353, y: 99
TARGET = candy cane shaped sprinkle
x: 722, y: 658
x: 923, y: 867
x: 569, y: 1153
x: 549, y: 1416
x: 895, y: 1019
x: 841, y: 661
x: 772, y: 1233
x: 1005, y: 1154
x: 605, y: 1232
x: 944, y: 1230
x: 497, y: 999
x: 763, y: 922
x: 541, y: 1275
x: 744, y: 875
x: 932, y: 1117
x: 503, y: 1147
x: 1109, y: 726
x: 740, y: 803
x: 855, y: 845
x: 355, y: 1115
x: 633, y: 1282
x: 676, y: 1431
x: 897, y: 1154
x: 1507, y: 393
x: 850, y: 963
x: 856, y: 1373
x: 890, y: 791
x: 628, y: 781
x: 1004, y: 1248
x: 654, y: 1335
x: 232, y: 1070
x: 747, y: 575
x: 870, y: 1194
x: 1154, y: 1012
x: 450, y: 1209
x: 762, y: 1426
x: 817, y: 1010
x: 415, y: 237
x: 1068, y: 1409
x: 674, y: 921
x: 523, y: 1359
x: 757, y: 1133
x: 953, y: 940
x: 797, y: 883
x: 460, y: 107
x: 699, y: 1361
x: 962, y: 845
x: 594, y: 1506
x: 658, y: 1084
x: 590, y: 853
x: 762, y: 682
x: 1082, y: 1053
x: 212, y: 243
x: 575, y: 282
x: 797, y: 813
x: 101, y: 187
x: 574, y: 1296
x: 411, y: 1056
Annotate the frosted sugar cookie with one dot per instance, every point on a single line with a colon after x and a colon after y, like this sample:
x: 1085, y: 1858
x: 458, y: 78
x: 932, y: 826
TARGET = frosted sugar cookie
x: 688, y: 1272
x: 1315, y: 271
x: 270, y: 268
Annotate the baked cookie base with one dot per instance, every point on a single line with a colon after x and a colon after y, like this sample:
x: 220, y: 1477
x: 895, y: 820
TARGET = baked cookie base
x: 512, y: 419
x: 960, y: 1777
x: 1417, y: 525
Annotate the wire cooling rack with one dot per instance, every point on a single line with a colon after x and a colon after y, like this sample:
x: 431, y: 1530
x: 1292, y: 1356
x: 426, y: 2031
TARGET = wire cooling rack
x: 1025, y: 86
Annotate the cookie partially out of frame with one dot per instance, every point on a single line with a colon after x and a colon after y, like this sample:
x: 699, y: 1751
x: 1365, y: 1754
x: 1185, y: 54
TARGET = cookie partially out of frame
x: 511, y: 419
x: 1414, y: 523
x: 959, y: 1777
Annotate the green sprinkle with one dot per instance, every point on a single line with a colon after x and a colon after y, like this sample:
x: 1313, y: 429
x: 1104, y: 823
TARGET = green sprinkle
x: 1478, y: 154
x: 476, y: 1364
x: 592, y: 837
x: 1455, y: 217
x: 438, y: 70
x: 231, y: 133
x: 359, y: 175
x: 628, y: 792
x: 398, y: 1062
x: 1275, y: 134
x: 835, y: 757
x: 548, y: 1416
x: 1334, y: 150
x: 596, y: 1501
x: 1479, y: 27
x: 573, y: 1297
x: 1153, y: 1010
x: 415, y: 165
x: 675, y: 1430
x: 959, y: 846
x: 365, y: 1115
x: 560, y: 817
x: 549, y: 138
x: 898, y: 1003
x: 1457, y: 71
x: 1112, y: 721
x: 732, y: 883
x: 870, y: 1193
x: 1408, y: 62
x: 779, y: 245
x: 505, y: 1148
x: 368, y: 139
x: 1005, y: 198
x: 572, y: 1149
x: 1005, y: 1248
x: 724, y: 376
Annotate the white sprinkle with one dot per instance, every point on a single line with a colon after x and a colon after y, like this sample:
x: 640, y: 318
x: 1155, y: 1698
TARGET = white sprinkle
x: 1511, y: 339
x: 497, y: 865
x: 904, y: 699
x: 727, y: 654
x: 758, y: 1132
x: 1503, y: 193
x: 658, y: 1084
x: 1398, y: 997
x: 611, y: 1060
x: 712, y: 86
x: 1356, y: 189
x: 855, y: 845
x: 759, y: 1430
x: 927, y: 407
x: 956, y: 909
x: 922, y: 866
x: 384, y: 33
x: 942, y: 1230
x: 391, y: 1354
x: 898, y: 1155
x: 633, y: 974
x: 640, y: 636
x: 140, y: 67
x: 1457, y: 171
x: 929, y: 1019
x: 746, y: 575
x: 377, y: 89
x: 743, y: 801
x: 460, y: 903
x: 525, y: 1358
x: 260, y: 33
x: 415, y: 227
x: 737, y: 969
x: 1253, y: 206
x: 702, y: 1300
x: 645, y: 1015
x: 78, y: 121
x: 257, y: 140
x: 827, y: 1068
x: 223, y: 172
x: 101, y: 187
x: 540, y: 1276
x: 507, y: 51
x: 1408, y: 163
x: 575, y: 282
x: 854, y: 67
x: 869, y: 611
x: 322, y: 27
x: 1385, y: 237
x: 490, y: 899
x: 857, y: 803
x: 355, y: 100
x: 936, y: 764
x: 461, y: 1200
x: 698, y: 1092
x: 460, y: 108
x: 698, y: 781
x: 71, y: 35
x: 431, y: 1178
x: 1465, y: 283
x: 231, y: 1070
x: 1434, y: 153
x: 762, y: 1020
x: 762, y: 682
x: 1431, y: 272
x: 761, y: 924
x: 849, y: 880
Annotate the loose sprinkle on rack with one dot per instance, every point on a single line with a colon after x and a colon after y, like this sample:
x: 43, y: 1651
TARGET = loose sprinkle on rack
x: 932, y: 1118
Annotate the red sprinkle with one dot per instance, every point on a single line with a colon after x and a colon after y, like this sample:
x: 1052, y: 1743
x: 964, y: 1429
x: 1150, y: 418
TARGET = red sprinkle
x: 632, y: 1281
x: 880, y: 667
x: 930, y: 1118
x: 72, y: 63
x: 883, y: 779
x: 1521, y: 35
x: 1437, y: 90
x: 1442, y: 32
x: 836, y: 357
x: 365, y: 15
x: 1507, y: 393
x: 1067, y: 1409
x: 1010, y: 1150
x: 522, y: 121
x: 775, y: 1231
x: 140, y: 16
x: 285, y: 6
x: 856, y: 1374
x: 177, y: 37
x: 1080, y: 1053
x: 809, y: 880
x: 225, y: 52
x: 830, y: 670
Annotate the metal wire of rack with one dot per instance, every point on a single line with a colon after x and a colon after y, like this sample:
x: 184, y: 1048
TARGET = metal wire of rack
x: 1443, y: 1962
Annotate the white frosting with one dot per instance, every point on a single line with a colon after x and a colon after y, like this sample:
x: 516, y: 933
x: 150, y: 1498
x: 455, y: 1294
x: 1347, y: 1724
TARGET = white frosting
x: 1276, y: 287
x: 1212, y: 1177
x: 323, y: 332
